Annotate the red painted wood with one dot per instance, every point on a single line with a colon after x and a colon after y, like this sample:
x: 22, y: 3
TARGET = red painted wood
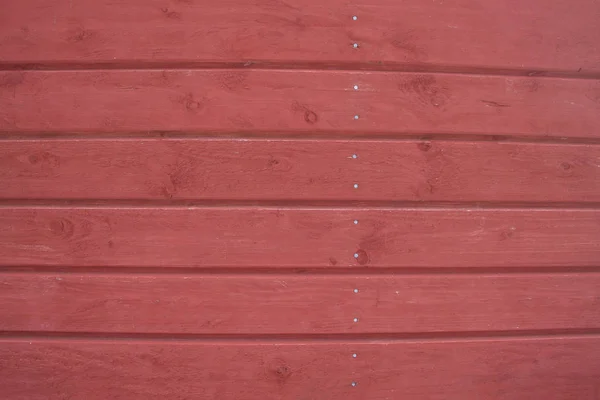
x: 298, y: 237
x: 291, y: 304
x: 296, y: 101
x: 270, y: 68
x: 524, y: 35
x: 516, y: 369
x: 299, y: 170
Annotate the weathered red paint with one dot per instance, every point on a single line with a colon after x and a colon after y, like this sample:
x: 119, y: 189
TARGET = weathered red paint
x: 289, y: 170
x: 528, y: 36
x: 521, y: 369
x: 299, y: 200
x: 261, y: 303
x: 297, y: 237
x: 276, y: 102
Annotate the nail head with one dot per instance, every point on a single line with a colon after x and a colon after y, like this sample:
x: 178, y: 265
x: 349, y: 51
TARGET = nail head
x: 355, y: 222
x: 353, y: 384
x: 356, y: 117
x: 355, y: 319
x: 354, y: 17
x: 355, y: 290
x: 355, y: 45
x: 355, y: 87
x: 354, y: 355
x: 354, y: 156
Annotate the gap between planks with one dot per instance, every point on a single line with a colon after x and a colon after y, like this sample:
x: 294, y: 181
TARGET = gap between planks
x: 304, y: 136
x: 366, y: 338
x: 248, y: 65
x: 298, y: 271
x: 345, y: 205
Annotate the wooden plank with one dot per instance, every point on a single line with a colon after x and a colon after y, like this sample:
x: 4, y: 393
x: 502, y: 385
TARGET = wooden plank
x: 561, y: 368
x: 298, y: 237
x: 523, y: 35
x: 297, y: 101
x: 291, y: 304
x: 154, y: 169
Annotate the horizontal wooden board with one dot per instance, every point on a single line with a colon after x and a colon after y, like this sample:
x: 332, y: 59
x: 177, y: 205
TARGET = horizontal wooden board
x: 298, y: 237
x: 242, y: 169
x: 296, y: 101
x: 565, y: 368
x: 524, y: 35
x: 292, y: 304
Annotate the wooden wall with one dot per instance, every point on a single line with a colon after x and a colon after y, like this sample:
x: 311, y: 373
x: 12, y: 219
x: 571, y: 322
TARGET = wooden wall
x: 269, y: 199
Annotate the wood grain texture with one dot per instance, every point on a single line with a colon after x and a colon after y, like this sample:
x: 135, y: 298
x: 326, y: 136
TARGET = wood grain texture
x: 298, y: 237
x: 296, y: 101
x: 167, y: 273
x: 291, y: 304
x: 524, y: 35
x: 204, y: 169
x: 555, y: 369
